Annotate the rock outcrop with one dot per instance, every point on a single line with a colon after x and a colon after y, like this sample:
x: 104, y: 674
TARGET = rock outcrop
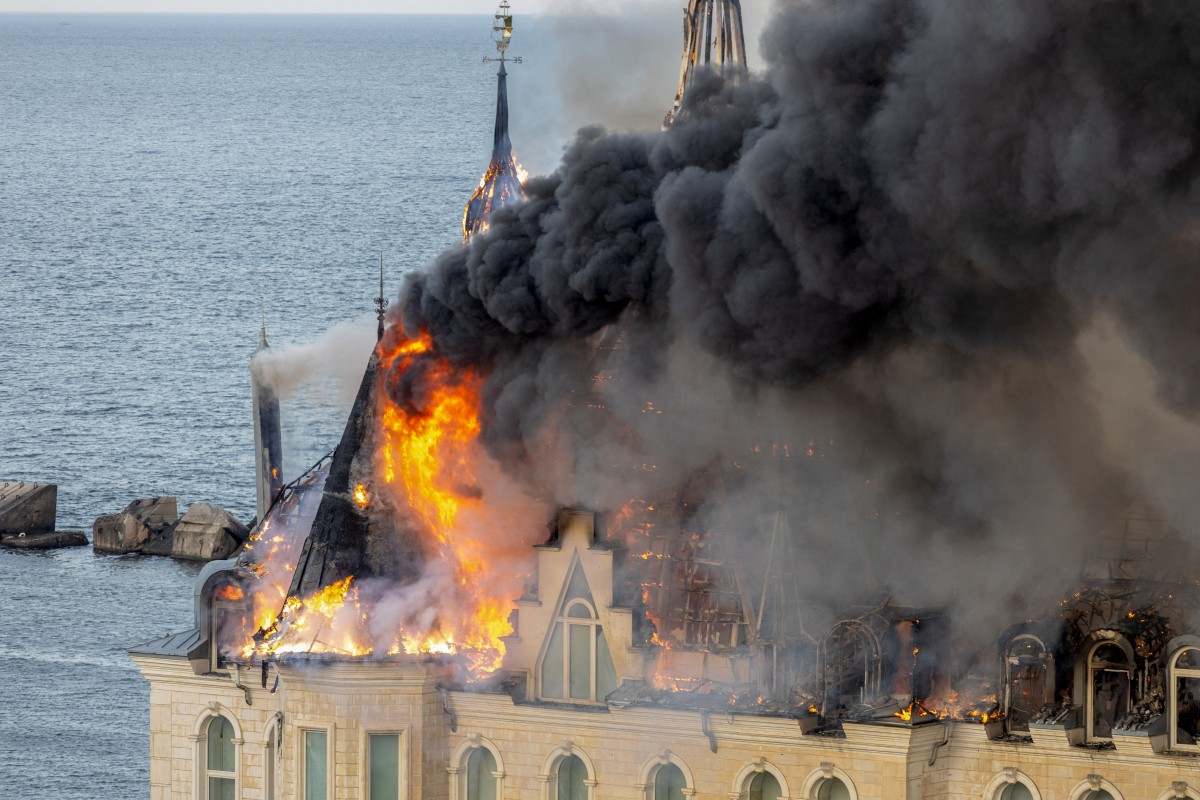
x: 27, y: 507
x: 207, y: 533
x: 142, y: 524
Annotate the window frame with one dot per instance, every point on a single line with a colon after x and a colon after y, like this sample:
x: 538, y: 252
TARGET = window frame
x: 1089, y: 707
x: 458, y: 765
x: 401, y: 759
x: 1174, y: 673
x: 549, y: 773
x: 1047, y: 663
x: 747, y: 774
x: 302, y: 730
x: 200, y: 737
x: 652, y: 767
x: 595, y: 630
x: 272, y: 742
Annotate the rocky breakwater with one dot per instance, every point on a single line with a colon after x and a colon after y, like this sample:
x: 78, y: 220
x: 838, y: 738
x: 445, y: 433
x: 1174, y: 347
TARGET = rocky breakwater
x: 153, y: 527
x: 28, y: 515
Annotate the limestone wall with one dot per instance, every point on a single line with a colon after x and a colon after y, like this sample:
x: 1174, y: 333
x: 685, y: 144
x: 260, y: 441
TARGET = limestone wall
x: 619, y: 745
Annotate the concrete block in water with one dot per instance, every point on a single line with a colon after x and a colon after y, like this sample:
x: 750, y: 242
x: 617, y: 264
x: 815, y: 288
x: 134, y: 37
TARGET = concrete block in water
x: 27, y: 507
x: 43, y: 541
x: 142, y: 522
x: 207, y: 533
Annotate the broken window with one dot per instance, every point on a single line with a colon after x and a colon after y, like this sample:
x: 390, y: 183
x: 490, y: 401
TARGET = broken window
x: 851, y: 666
x: 1109, y: 674
x: 221, y: 778
x: 577, y: 664
x: 1184, y: 678
x: 1027, y: 680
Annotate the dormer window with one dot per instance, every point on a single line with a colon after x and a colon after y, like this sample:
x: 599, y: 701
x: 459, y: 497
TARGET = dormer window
x: 1183, y: 674
x: 1109, y: 680
x: 1028, y: 676
x: 576, y: 663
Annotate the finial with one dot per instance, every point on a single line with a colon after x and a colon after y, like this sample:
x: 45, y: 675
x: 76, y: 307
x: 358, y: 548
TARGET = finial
x: 502, y: 30
x: 381, y: 302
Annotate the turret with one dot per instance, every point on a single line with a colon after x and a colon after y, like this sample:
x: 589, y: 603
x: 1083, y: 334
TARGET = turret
x: 501, y: 182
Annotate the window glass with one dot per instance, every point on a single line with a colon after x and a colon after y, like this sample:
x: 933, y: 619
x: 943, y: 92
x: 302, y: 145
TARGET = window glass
x: 571, y: 777
x: 1016, y: 791
x: 764, y: 787
x: 669, y: 783
x: 606, y: 674
x: 1098, y: 794
x: 315, y: 748
x: 579, y: 611
x: 220, y: 745
x: 552, y: 664
x: 269, y: 766
x: 832, y: 789
x: 220, y: 789
x: 581, y: 662
x: 385, y: 766
x: 1187, y: 710
x: 481, y: 775
x: 1189, y: 659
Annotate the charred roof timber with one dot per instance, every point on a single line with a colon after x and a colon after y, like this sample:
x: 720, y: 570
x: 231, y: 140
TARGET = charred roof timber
x: 712, y: 37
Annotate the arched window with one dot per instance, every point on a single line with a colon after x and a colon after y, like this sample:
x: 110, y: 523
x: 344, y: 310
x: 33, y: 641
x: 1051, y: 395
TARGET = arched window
x: 1028, y: 680
x: 569, y: 781
x: 577, y: 664
x: 763, y: 786
x: 1183, y: 675
x: 1015, y: 791
x: 271, y: 758
x: 1109, y: 681
x: 220, y: 774
x: 669, y: 783
x: 830, y: 789
x: 1098, y: 794
x: 851, y: 666
x: 480, y: 775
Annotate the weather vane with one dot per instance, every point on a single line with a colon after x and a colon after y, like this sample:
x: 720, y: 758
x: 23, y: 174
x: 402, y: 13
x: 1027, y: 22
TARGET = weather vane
x: 502, y: 35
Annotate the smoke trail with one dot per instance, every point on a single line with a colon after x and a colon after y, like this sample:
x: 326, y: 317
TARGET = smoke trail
x: 884, y: 253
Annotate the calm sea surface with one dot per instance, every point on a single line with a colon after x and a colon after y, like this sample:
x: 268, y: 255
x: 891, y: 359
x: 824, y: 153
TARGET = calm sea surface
x: 164, y: 181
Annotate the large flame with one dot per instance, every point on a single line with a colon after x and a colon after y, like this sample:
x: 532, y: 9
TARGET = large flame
x: 425, y: 472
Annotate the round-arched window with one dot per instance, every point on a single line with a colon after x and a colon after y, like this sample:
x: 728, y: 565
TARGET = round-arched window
x: 481, y: 775
x: 831, y: 789
x: 571, y: 779
x: 1097, y: 794
x: 1015, y: 791
x: 669, y: 783
x: 221, y: 762
x: 763, y: 786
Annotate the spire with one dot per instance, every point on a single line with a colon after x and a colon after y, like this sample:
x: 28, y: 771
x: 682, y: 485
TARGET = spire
x: 501, y: 182
x: 381, y: 302
x: 262, y: 334
x: 712, y: 37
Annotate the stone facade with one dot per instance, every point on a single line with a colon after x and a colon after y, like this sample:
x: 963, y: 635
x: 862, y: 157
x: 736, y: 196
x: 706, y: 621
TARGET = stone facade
x: 619, y: 746
x: 718, y: 753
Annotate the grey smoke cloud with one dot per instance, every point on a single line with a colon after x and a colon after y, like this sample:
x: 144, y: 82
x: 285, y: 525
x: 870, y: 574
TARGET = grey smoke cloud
x: 928, y: 246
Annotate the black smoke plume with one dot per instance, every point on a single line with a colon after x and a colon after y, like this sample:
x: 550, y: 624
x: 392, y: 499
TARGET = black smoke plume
x: 904, y: 262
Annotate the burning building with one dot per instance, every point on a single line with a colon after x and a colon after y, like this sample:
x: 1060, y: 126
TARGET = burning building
x: 748, y: 464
